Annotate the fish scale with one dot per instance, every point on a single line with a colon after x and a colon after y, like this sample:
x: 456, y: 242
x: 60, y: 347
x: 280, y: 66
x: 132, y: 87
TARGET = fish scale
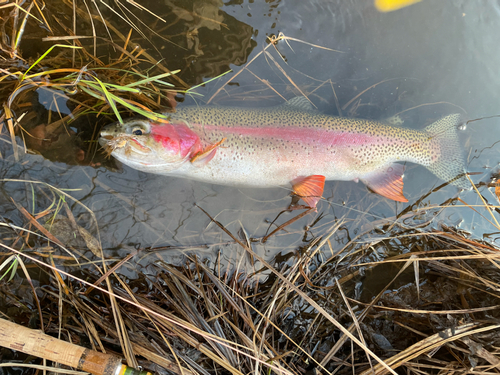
x: 290, y: 143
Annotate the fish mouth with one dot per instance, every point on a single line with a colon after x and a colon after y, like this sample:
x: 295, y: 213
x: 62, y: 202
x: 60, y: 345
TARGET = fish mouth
x: 103, y: 141
x: 106, y: 135
x: 110, y: 140
x: 127, y: 144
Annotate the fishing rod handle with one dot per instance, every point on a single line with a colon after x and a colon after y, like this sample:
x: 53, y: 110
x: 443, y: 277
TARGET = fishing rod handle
x: 37, y: 343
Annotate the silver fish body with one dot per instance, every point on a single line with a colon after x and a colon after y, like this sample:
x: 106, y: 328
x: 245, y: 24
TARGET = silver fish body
x: 285, y: 144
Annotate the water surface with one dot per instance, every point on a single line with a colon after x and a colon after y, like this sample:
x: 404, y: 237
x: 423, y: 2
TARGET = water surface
x: 423, y: 62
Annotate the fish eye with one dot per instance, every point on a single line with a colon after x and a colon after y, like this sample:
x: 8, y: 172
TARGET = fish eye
x: 137, y: 131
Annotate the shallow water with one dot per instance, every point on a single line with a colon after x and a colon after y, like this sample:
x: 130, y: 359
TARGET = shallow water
x: 428, y: 60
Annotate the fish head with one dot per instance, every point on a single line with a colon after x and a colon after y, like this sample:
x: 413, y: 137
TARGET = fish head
x: 149, y: 146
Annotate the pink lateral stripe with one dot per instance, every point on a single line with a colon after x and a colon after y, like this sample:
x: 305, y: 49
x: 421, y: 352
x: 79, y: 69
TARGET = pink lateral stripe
x: 295, y: 134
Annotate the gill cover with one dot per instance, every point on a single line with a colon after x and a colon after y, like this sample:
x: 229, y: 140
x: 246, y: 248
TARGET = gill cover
x: 152, y: 147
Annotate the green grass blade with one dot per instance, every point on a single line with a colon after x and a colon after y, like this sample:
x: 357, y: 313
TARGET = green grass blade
x: 98, y: 94
x: 110, y: 99
x: 155, y: 79
x: 92, y: 93
x: 151, y: 115
x: 111, y: 86
x: 204, y: 83
x: 13, y: 266
x: 45, y: 54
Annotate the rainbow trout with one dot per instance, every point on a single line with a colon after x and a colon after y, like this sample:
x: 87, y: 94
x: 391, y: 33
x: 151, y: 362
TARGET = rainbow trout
x: 290, y: 143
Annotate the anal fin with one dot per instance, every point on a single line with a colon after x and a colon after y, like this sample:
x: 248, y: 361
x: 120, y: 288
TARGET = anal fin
x: 387, y: 181
x: 309, y: 188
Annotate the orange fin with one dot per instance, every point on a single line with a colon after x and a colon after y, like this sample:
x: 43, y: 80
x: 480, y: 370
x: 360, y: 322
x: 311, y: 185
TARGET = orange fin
x: 309, y: 188
x: 387, y: 181
x: 201, y: 158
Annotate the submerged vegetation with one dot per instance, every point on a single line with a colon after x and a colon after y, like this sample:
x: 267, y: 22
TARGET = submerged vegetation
x: 67, y: 82
x: 404, y: 295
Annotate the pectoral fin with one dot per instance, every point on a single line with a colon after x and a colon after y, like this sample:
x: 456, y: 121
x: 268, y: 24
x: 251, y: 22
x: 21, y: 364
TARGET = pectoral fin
x: 201, y: 158
x: 309, y: 188
x: 387, y: 181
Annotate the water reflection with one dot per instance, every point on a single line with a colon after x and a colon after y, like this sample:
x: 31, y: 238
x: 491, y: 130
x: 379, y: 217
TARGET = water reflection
x: 215, y: 40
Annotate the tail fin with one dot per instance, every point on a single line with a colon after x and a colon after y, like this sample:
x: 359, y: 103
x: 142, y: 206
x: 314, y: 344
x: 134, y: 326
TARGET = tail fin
x: 450, y: 165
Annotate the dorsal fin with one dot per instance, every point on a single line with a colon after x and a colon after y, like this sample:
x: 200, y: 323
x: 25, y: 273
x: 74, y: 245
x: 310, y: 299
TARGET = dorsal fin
x: 395, y: 120
x: 301, y: 103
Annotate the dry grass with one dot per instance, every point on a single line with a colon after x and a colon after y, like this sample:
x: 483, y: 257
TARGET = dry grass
x: 436, y: 310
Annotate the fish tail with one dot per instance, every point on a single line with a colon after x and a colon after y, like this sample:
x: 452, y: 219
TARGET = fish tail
x: 450, y: 163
